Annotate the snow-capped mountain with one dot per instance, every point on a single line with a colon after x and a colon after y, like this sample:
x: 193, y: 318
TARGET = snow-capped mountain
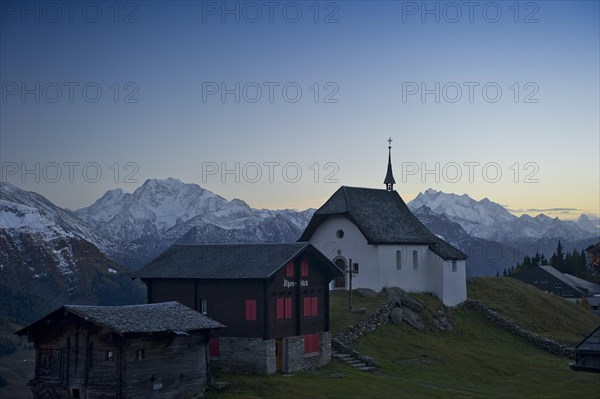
x: 28, y: 211
x: 162, y: 212
x: 586, y: 224
x: 485, y: 257
x: 491, y: 221
x: 46, y: 260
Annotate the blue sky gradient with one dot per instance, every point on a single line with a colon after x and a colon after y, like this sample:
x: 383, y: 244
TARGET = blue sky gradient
x: 366, y: 57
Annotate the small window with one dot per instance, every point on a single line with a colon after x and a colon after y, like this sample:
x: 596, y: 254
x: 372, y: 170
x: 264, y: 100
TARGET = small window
x: 304, y: 267
x: 109, y: 355
x: 311, y: 343
x: 75, y: 393
x: 354, y: 268
x: 339, y: 234
x: 251, y: 309
x: 454, y: 268
x: 398, y: 260
x: 139, y: 355
x: 415, y: 260
x: 204, y: 306
x: 289, y: 269
x: 214, y: 347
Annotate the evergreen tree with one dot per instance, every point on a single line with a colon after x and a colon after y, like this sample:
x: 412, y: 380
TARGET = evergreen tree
x: 504, y: 273
x: 497, y: 274
x: 575, y: 263
x: 558, y: 257
x: 559, y: 254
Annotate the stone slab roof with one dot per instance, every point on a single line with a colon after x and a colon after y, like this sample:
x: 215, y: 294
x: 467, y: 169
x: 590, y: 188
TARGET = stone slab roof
x: 383, y: 218
x: 166, y: 317
x: 229, y: 261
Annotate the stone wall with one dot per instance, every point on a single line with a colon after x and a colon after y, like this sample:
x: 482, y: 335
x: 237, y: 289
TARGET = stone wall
x: 295, y: 359
x: 366, y: 325
x: 513, y: 328
x: 257, y: 356
x: 246, y: 355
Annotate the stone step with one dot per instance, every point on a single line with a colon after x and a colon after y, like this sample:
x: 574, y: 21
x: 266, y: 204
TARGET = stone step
x: 354, y: 362
x: 366, y: 368
x: 343, y: 356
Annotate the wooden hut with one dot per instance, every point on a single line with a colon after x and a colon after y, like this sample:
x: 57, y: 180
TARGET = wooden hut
x: 139, y: 351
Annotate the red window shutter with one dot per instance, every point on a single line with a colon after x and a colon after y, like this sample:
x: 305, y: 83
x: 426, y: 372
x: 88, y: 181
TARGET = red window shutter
x: 307, y: 343
x: 289, y: 270
x: 214, y: 347
x: 251, y: 309
x: 304, y: 267
x: 288, y: 308
x: 280, y: 308
x: 314, y: 306
x: 306, y: 306
x: 314, y: 342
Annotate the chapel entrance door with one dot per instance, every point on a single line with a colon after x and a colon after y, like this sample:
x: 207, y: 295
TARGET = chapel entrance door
x: 340, y: 281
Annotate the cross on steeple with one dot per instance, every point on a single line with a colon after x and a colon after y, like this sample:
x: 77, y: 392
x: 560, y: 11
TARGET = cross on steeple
x: 389, y: 177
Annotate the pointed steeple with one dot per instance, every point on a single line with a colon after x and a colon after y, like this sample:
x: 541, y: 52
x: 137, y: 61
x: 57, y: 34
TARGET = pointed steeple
x: 389, y: 176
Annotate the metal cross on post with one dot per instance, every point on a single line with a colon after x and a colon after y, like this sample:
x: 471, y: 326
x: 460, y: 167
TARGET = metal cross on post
x: 350, y: 271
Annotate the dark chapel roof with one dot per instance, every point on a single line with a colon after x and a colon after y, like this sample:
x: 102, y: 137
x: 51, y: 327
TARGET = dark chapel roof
x: 382, y: 217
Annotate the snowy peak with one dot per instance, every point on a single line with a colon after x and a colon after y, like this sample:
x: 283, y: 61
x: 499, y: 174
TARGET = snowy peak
x: 586, y: 224
x: 490, y: 220
x: 462, y: 208
x: 160, y: 212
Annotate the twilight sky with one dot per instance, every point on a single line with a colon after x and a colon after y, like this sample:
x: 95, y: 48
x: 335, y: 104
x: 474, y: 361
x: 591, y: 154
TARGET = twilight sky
x: 280, y: 103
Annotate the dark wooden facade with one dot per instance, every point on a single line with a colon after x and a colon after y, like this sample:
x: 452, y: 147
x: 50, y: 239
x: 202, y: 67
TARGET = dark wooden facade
x: 226, y: 298
x: 78, y: 357
x: 272, y: 298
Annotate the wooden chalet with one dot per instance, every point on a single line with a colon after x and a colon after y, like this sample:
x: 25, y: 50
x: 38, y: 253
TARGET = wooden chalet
x: 587, y: 353
x: 274, y: 299
x: 551, y: 280
x: 138, y: 351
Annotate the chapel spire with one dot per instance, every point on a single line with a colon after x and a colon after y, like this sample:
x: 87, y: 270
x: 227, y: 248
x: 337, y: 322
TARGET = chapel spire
x: 389, y: 176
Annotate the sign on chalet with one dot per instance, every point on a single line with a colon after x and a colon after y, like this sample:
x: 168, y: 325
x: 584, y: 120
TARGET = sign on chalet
x: 137, y: 351
x: 274, y: 299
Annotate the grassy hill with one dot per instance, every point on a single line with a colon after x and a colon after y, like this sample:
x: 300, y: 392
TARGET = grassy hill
x: 475, y: 360
x: 541, y: 312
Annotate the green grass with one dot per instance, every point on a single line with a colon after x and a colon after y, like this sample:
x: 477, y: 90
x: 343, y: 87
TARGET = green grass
x: 536, y: 310
x: 342, y: 317
x: 475, y: 360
